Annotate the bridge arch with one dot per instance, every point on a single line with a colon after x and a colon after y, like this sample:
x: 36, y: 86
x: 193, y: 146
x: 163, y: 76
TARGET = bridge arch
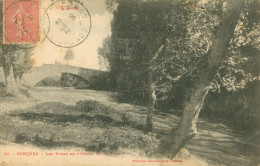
x: 55, y: 71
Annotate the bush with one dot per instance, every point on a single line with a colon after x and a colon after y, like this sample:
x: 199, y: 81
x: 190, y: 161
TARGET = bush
x: 25, y: 92
x: 239, y: 109
x: 82, y: 85
x: 128, y: 138
x: 100, y: 82
x: 90, y: 105
x: 21, y: 138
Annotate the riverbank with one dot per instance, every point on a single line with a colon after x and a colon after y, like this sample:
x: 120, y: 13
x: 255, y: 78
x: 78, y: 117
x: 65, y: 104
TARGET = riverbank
x: 43, y: 115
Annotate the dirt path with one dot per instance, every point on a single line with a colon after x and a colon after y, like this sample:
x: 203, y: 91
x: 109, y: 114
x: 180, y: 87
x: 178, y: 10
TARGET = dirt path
x: 215, y: 142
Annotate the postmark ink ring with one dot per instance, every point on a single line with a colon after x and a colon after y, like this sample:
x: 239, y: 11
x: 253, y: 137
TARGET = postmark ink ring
x: 69, y: 23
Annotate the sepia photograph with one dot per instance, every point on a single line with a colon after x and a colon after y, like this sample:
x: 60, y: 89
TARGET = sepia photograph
x: 130, y: 82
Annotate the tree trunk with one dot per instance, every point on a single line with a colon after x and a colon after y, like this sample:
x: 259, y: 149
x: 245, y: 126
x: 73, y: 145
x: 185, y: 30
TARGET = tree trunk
x: 6, y: 74
x: 19, y: 80
x: 207, y: 69
x: 151, y: 93
x: 11, y: 86
x: 150, y: 112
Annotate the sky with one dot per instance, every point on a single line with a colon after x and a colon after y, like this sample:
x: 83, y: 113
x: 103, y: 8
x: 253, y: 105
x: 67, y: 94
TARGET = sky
x: 86, y: 53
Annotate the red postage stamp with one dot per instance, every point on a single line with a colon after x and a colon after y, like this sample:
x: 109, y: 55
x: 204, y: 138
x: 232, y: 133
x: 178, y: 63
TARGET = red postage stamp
x: 21, y: 21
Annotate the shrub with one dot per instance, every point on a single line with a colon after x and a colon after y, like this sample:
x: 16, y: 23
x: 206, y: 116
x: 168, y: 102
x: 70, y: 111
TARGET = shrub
x: 126, y: 138
x: 25, y: 92
x: 90, y: 105
x: 21, y: 138
x: 82, y: 85
x: 239, y: 109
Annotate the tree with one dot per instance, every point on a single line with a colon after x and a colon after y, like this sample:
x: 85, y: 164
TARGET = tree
x: 15, y: 62
x: 22, y: 64
x: 140, y: 31
x: 104, y: 54
x: 69, y: 55
x: 208, y: 68
x: 177, y: 51
x: 7, y: 57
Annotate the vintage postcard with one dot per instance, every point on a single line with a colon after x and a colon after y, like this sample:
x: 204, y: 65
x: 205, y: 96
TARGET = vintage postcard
x: 130, y: 82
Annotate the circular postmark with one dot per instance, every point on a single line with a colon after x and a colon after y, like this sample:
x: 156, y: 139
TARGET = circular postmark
x: 21, y: 23
x: 69, y: 23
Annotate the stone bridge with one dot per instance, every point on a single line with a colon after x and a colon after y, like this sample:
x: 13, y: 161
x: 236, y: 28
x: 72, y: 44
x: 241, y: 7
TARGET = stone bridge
x: 55, y: 70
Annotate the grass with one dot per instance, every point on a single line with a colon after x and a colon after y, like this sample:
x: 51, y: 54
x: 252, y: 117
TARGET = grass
x: 88, y: 124
x: 54, y: 125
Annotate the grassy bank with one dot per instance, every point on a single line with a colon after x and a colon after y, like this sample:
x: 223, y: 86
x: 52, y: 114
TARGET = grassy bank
x: 88, y: 124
